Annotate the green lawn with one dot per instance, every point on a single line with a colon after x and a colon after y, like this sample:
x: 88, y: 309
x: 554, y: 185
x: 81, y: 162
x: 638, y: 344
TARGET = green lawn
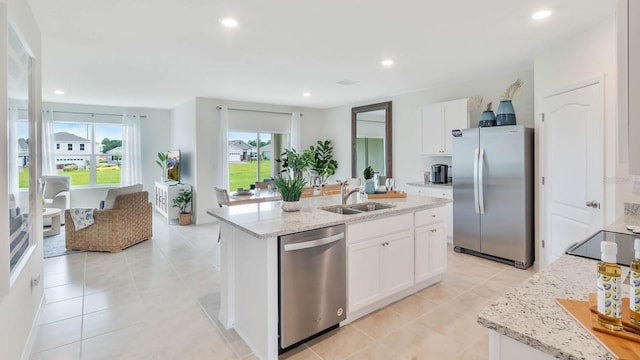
x: 244, y: 174
x: 79, y: 177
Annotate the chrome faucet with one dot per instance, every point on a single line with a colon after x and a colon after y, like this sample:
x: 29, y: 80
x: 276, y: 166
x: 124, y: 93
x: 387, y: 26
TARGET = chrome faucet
x: 343, y: 188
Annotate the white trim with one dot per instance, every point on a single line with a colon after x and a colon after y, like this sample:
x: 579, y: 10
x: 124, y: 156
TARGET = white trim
x: 33, y: 333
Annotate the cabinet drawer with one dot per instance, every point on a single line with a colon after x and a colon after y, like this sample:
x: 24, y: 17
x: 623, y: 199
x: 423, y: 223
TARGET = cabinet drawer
x: 431, y: 216
x: 377, y: 227
x: 442, y: 193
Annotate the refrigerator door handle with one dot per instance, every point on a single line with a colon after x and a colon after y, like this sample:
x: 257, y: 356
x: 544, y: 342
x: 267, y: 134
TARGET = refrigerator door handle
x: 481, y: 180
x: 475, y: 181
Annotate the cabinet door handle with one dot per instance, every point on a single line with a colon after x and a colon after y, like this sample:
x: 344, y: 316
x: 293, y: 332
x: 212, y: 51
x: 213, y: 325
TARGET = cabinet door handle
x: 433, y: 216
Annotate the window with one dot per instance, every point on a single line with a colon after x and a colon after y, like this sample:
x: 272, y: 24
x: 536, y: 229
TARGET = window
x: 251, y: 157
x: 96, y: 160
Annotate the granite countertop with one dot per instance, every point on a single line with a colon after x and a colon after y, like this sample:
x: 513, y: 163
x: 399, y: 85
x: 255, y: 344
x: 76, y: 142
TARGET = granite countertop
x: 431, y: 185
x: 265, y: 220
x: 529, y: 313
x: 620, y: 225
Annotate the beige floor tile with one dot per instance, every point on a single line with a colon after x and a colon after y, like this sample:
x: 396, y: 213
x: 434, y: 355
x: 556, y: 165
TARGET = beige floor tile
x: 478, y: 350
x: 57, y: 334
x: 376, y: 351
x: 61, y: 310
x: 63, y: 278
x: 66, y: 352
x: 418, y: 342
x: 63, y: 292
x: 109, y: 320
x: 380, y: 323
x: 340, y: 343
x: 412, y: 307
x: 110, y: 299
x: 126, y: 343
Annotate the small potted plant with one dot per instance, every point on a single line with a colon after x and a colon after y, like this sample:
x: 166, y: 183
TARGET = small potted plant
x: 163, y: 159
x: 369, y: 184
x: 183, y: 202
x: 290, y: 187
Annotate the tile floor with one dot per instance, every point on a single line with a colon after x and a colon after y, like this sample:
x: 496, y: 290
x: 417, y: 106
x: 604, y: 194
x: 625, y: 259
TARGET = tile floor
x: 151, y: 302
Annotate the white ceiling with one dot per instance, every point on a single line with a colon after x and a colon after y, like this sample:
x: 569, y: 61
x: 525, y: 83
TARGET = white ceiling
x: 161, y: 53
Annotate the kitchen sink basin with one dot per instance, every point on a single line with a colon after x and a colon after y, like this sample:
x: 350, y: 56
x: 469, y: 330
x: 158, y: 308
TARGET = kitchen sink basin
x: 353, y: 209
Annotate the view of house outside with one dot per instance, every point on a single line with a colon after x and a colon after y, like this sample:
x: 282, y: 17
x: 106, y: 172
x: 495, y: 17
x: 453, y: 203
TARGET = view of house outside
x: 89, y: 153
x: 250, y: 157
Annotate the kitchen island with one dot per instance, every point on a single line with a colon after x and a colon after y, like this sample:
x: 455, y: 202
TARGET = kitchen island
x: 249, y: 257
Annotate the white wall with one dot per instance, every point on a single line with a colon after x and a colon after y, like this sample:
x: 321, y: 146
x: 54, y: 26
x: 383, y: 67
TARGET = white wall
x: 18, y: 309
x: 588, y: 55
x: 194, y: 130
x: 156, y: 137
x: 408, y: 163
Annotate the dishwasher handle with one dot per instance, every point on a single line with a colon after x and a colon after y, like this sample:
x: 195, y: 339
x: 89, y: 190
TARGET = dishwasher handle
x: 313, y: 243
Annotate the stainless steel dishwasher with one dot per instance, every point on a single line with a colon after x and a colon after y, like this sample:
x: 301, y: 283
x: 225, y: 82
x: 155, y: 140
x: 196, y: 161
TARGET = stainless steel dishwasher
x: 313, y: 283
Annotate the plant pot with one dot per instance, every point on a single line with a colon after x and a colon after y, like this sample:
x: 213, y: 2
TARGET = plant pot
x: 369, y: 186
x: 291, y: 206
x: 185, y: 219
x: 506, y: 115
x: 487, y: 119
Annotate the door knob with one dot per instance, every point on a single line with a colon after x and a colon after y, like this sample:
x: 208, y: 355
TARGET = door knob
x: 593, y: 204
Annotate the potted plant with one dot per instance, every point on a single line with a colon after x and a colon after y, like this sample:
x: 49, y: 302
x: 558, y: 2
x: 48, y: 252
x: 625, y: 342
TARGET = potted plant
x: 506, y: 115
x: 321, y: 161
x: 291, y: 181
x: 163, y: 159
x: 369, y: 184
x: 183, y: 202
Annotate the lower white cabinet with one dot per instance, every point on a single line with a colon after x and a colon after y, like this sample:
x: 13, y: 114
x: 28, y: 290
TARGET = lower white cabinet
x: 438, y: 192
x: 430, y: 251
x: 380, y: 267
x: 165, y: 193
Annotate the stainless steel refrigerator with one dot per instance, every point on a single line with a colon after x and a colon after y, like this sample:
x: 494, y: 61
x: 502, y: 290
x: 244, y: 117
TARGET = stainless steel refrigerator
x: 493, y: 193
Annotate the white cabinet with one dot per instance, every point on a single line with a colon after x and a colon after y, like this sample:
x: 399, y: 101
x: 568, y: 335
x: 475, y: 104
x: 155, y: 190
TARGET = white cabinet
x: 379, y: 265
x: 438, y: 192
x: 165, y: 193
x: 430, y: 251
x: 436, y: 122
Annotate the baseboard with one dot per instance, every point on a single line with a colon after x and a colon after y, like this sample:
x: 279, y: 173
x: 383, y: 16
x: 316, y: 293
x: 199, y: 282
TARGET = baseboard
x: 33, y: 333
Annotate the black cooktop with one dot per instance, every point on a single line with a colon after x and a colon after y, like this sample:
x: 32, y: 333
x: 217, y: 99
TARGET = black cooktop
x: 590, y: 248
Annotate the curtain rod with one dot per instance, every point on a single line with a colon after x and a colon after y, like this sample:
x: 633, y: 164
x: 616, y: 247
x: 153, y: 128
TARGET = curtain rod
x: 260, y: 111
x: 92, y: 114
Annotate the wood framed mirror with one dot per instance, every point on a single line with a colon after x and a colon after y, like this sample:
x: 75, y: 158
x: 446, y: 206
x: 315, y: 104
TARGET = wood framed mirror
x: 371, y: 139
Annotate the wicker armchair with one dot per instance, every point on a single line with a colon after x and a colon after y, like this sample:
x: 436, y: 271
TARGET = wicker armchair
x: 128, y: 223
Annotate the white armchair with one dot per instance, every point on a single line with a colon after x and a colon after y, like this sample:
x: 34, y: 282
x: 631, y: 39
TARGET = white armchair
x: 56, y: 192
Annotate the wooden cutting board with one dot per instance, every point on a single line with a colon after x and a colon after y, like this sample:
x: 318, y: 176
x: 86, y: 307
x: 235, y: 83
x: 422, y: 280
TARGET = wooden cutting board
x: 622, y: 344
x: 388, y: 194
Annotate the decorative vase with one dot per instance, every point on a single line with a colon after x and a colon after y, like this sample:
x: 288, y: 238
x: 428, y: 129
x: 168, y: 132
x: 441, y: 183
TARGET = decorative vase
x: 488, y: 118
x: 291, y: 206
x: 185, y: 219
x: 506, y: 115
x: 369, y: 186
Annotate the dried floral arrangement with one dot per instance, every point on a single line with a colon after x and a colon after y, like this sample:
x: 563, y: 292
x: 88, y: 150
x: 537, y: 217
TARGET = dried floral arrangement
x: 474, y: 102
x: 489, y: 106
x: 512, y: 90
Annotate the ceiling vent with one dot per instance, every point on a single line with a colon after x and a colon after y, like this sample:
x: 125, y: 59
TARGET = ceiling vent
x: 346, y: 82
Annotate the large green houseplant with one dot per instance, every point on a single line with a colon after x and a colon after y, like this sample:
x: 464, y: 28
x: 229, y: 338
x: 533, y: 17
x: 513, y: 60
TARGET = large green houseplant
x: 321, y: 162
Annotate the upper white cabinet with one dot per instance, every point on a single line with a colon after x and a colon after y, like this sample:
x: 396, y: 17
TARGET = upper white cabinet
x: 436, y: 122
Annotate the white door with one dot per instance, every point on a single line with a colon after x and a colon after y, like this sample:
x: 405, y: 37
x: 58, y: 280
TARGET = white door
x: 573, y: 168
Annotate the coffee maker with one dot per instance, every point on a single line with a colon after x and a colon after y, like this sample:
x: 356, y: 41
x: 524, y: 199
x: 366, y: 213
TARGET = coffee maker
x: 439, y: 173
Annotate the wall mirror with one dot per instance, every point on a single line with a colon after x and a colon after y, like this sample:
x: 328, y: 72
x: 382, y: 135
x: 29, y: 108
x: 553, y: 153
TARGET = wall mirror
x: 371, y: 139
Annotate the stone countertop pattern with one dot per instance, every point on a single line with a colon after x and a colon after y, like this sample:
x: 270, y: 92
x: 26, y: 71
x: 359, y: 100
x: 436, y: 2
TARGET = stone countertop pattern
x: 431, y: 185
x: 265, y: 220
x: 529, y: 313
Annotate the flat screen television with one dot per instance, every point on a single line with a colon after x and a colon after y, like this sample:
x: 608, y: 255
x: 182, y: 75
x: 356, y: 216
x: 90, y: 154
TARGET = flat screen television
x: 173, y: 165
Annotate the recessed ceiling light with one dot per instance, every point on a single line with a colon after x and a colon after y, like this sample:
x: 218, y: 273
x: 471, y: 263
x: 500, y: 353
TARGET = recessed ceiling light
x: 542, y: 14
x: 306, y: 94
x: 387, y: 62
x: 58, y: 92
x: 229, y: 22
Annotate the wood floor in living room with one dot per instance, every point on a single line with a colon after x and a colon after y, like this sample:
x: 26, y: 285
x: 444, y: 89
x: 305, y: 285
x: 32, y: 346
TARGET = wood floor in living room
x: 158, y: 300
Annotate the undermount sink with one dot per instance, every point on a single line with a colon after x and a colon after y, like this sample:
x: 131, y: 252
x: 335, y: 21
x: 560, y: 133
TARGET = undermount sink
x: 353, y: 209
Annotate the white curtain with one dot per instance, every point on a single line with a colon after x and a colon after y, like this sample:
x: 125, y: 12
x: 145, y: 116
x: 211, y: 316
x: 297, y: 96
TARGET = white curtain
x: 295, y: 132
x: 48, y: 144
x: 130, y: 166
x: 14, y: 166
x: 223, y: 149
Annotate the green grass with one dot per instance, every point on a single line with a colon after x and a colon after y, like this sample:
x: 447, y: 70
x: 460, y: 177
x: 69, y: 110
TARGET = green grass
x: 244, y: 174
x: 79, y: 177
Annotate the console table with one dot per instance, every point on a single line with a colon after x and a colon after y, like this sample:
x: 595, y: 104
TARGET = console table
x: 165, y: 193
